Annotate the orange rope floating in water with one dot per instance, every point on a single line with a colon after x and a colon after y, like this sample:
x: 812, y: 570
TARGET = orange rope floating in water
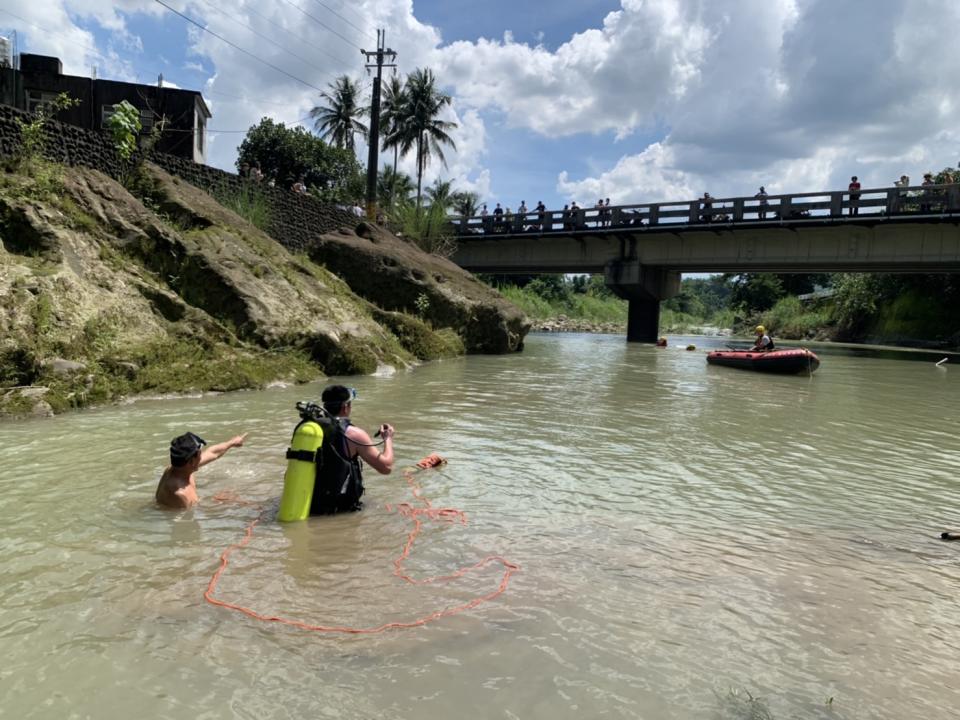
x: 407, y: 510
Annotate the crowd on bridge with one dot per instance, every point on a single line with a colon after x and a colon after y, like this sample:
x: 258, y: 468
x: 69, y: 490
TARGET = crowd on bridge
x: 932, y: 196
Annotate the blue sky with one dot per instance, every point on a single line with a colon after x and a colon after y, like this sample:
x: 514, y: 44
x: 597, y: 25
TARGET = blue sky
x: 637, y: 100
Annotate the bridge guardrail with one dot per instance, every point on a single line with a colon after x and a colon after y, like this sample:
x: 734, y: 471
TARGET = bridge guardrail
x: 834, y: 204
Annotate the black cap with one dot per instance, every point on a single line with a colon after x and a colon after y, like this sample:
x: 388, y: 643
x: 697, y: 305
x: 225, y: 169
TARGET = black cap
x: 184, y: 447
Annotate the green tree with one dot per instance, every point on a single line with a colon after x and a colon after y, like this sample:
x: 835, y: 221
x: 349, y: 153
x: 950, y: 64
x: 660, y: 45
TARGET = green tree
x: 755, y: 292
x: 418, y: 127
x: 391, y: 112
x: 441, y: 193
x: 337, y: 121
x: 702, y: 297
x: 285, y: 154
x: 393, y: 188
x: 465, y: 204
x: 33, y: 133
x: 125, y: 126
x: 551, y: 287
x: 428, y: 227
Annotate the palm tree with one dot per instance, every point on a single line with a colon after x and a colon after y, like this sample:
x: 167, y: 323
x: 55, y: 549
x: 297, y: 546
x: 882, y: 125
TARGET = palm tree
x: 441, y: 193
x: 391, y: 112
x: 337, y: 120
x: 419, y: 127
x: 393, y: 187
x: 465, y: 204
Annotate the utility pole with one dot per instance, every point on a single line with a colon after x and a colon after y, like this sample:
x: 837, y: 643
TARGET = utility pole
x: 379, y: 55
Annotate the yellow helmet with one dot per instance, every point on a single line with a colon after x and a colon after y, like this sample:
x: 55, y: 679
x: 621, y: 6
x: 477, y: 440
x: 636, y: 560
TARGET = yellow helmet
x: 761, y: 330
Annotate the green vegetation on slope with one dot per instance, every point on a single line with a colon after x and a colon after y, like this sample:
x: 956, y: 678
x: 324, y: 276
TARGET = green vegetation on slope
x: 550, y: 296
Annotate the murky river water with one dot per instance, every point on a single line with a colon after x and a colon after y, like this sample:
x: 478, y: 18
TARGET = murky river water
x: 684, y: 531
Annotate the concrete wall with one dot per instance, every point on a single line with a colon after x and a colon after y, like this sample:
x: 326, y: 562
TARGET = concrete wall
x: 296, y: 220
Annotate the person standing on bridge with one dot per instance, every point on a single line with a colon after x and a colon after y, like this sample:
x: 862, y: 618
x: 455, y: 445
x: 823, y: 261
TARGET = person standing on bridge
x: 926, y: 194
x: 854, y: 189
x: 498, y: 218
x: 706, y: 208
x: 762, y: 209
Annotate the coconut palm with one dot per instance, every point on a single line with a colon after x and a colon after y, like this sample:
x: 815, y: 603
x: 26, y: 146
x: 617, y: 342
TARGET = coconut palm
x: 465, y: 204
x: 337, y: 121
x: 393, y: 187
x: 441, y: 193
x: 419, y: 127
x: 391, y: 112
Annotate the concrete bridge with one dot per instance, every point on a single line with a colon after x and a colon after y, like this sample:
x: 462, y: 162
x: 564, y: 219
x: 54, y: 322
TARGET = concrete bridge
x: 643, y: 249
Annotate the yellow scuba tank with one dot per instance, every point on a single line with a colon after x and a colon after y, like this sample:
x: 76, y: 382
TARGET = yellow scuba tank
x: 301, y: 471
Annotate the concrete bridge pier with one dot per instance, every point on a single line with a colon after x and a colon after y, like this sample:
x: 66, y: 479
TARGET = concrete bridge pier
x: 643, y: 287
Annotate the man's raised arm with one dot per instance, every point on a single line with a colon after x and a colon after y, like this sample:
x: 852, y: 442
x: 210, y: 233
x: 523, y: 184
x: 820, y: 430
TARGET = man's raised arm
x: 215, y: 452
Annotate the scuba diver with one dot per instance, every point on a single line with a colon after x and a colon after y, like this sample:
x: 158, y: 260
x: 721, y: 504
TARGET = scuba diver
x: 763, y: 342
x: 330, y: 464
x: 178, y: 486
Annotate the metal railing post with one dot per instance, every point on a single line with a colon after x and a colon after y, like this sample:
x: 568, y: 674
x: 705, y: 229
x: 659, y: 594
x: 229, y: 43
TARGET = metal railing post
x: 654, y: 216
x: 785, y: 208
x: 836, y: 204
x: 893, y: 201
x: 738, y: 210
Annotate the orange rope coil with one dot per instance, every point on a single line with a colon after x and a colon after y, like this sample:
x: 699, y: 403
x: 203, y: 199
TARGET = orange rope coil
x: 407, y: 510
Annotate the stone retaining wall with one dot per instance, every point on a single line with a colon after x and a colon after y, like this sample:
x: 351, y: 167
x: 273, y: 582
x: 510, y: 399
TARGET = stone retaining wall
x: 295, y: 220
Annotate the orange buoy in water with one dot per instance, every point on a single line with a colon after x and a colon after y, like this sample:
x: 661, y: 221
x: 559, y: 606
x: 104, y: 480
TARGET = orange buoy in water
x: 431, y: 460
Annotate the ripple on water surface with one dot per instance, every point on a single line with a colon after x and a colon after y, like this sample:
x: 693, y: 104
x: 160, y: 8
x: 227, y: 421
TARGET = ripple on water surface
x: 682, y: 530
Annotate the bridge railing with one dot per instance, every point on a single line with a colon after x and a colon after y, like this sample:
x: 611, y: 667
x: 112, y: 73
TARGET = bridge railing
x: 773, y: 209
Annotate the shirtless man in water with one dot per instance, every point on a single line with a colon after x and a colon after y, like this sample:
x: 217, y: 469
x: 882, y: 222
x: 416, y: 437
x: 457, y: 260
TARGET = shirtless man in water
x: 178, y: 487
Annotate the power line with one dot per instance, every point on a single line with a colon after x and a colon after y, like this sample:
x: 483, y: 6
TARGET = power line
x: 237, y: 47
x: 321, y: 23
x: 261, y: 35
x: 221, y: 132
x: 244, y: 98
x: 346, y: 6
x: 364, y: 31
x: 299, y: 37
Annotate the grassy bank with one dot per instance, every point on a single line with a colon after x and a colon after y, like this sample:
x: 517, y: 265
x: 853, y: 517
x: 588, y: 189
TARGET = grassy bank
x: 580, y: 306
x: 792, y: 320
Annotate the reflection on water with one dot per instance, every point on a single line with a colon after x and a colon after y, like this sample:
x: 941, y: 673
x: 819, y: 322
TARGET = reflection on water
x: 684, y: 530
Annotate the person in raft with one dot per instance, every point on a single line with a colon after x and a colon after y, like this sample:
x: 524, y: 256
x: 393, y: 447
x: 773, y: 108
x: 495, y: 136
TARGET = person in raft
x: 342, y: 454
x: 763, y: 342
x: 178, y: 486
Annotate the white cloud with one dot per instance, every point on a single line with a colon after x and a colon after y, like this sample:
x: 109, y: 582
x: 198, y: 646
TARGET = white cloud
x: 651, y: 174
x: 615, y: 78
x: 700, y: 95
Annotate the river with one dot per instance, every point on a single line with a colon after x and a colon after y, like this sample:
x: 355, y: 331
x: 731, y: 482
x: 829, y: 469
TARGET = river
x: 686, y: 535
